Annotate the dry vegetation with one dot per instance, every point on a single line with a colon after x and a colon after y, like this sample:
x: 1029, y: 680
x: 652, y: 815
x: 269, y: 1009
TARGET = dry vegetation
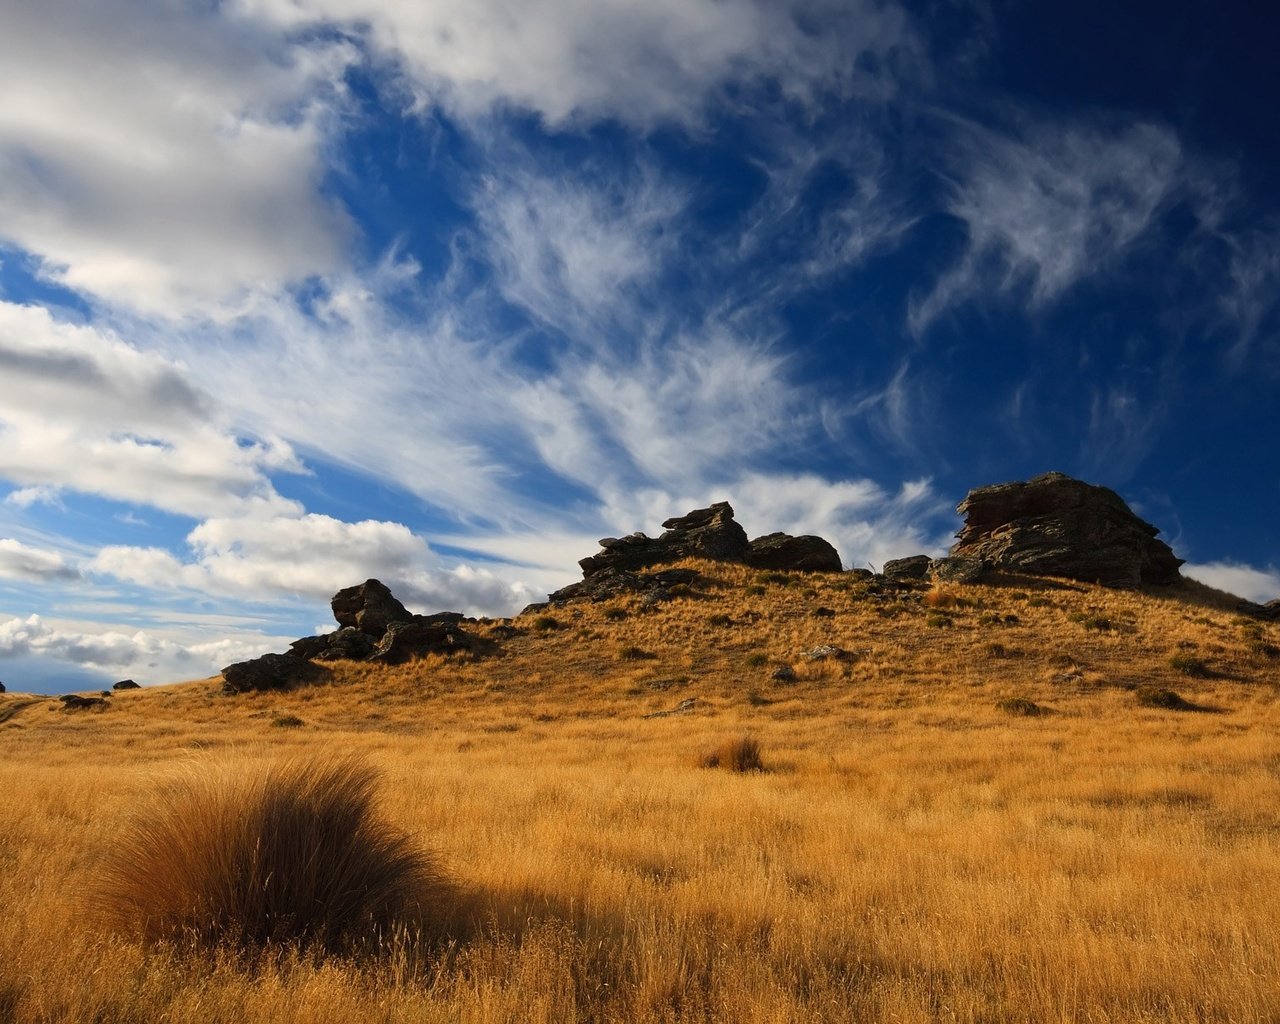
x: 971, y: 817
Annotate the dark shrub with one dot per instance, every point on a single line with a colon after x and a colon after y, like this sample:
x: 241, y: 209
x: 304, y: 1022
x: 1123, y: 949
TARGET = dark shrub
x: 740, y: 755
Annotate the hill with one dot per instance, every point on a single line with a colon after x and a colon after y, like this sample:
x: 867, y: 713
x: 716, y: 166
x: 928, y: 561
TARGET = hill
x: 978, y: 804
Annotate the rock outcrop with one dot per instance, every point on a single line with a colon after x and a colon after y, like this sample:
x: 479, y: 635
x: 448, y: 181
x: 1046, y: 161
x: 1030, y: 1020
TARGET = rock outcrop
x: 374, y: 626
x: 369, y: 607
x: 711, y: 533
x: 423, y: 635
x: 125, y: 684
x: 704, y: 533
x: 1054, y: 525
x: 269, y: 672
x: 781, y: 551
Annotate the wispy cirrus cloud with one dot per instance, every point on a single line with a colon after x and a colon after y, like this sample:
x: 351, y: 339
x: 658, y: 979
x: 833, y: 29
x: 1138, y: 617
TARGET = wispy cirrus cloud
x: 1048, y: 205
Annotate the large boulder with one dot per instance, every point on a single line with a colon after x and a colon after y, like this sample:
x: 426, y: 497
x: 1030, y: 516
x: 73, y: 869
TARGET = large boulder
x: 786, y: 553
x: 1, y: 687
x: 1054, y: 525
x: 269, y: 672
x: 708, y: 532
x: 913, y: 567
x: 125, y: 684
x: 369, y: 607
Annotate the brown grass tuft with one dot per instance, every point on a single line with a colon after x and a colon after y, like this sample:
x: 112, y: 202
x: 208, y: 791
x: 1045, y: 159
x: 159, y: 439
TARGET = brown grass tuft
x: 739, y: 755
x: 295, y: 855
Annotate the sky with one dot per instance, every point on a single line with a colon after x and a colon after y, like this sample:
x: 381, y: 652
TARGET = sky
x: 298, y: 292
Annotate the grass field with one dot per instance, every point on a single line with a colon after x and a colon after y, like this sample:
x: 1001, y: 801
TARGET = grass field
x: 971, y: 816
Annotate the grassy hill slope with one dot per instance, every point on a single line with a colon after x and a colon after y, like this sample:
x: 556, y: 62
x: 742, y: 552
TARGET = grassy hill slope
x: 980, y: 811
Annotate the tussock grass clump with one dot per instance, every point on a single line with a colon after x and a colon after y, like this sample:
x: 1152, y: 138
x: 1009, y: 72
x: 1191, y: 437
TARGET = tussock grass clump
x: 292, y: 856
x: 1158, y: 697
x: 546, y: 623
x: 1023, y: 706
x: 287, y: 722
x: 738, y: 755
x: 1189, y: 665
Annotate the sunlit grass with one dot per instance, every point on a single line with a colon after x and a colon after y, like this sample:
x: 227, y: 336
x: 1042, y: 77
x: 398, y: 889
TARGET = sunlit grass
x: 920, y: 848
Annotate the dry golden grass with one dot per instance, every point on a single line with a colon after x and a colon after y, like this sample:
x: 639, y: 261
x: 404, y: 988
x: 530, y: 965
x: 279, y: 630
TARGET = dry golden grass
x: 296, y: 855
x: 915, y: 853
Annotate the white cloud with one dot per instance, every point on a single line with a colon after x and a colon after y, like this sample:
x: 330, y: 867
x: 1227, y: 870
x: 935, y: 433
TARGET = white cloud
x: 20, y: 561
x: 148, y: 656
x: 574, y: 252
x: 164, y: 155
x: 1045, y: 209
x: 25, y: 497
x: 640, y: 61
x: 1242, y: 580
x: 82, y: 410
x: 312, y: 556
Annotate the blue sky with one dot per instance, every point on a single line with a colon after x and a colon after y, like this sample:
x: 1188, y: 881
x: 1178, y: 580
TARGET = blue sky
x: 297, y: 292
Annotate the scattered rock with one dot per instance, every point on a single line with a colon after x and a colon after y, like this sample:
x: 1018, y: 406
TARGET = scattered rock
x: 784, y: 674
x: 956, y: 569
x: 125, y: 684
x: 1, y: 687
x: 425, y: 634
x: 824, y: 652
x: 74, y: 702
x: 913, y: 567
x: 684, y: 707
x: 1054, y: 525
x: 793, y: 554
x: 269, y: 672
x: 369, y: 607
x: 704, y: 533
x: 860, y: 574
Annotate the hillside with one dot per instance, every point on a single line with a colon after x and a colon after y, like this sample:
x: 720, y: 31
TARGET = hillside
x: 967, y: 813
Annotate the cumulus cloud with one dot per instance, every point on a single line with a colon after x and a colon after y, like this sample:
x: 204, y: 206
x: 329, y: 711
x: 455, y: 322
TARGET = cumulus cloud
x: 639, y: 62
x: 1242, y: 580
x: 165, y: 156
x: 311, y: 556
x: 20, y: 561
x: 1050, y: 205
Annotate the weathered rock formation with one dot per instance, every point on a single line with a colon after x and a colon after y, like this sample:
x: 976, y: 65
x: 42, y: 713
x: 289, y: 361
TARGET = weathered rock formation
x: 374, y: 626
x: 125, y: 684
x: 75, y: 702
x: 783, y: 552
x: 1054, y: 525
x: 1, y: 687
x: 269, y: 672
x: 704, y: 533
x: 714, y: 534
x: 369, y: 607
